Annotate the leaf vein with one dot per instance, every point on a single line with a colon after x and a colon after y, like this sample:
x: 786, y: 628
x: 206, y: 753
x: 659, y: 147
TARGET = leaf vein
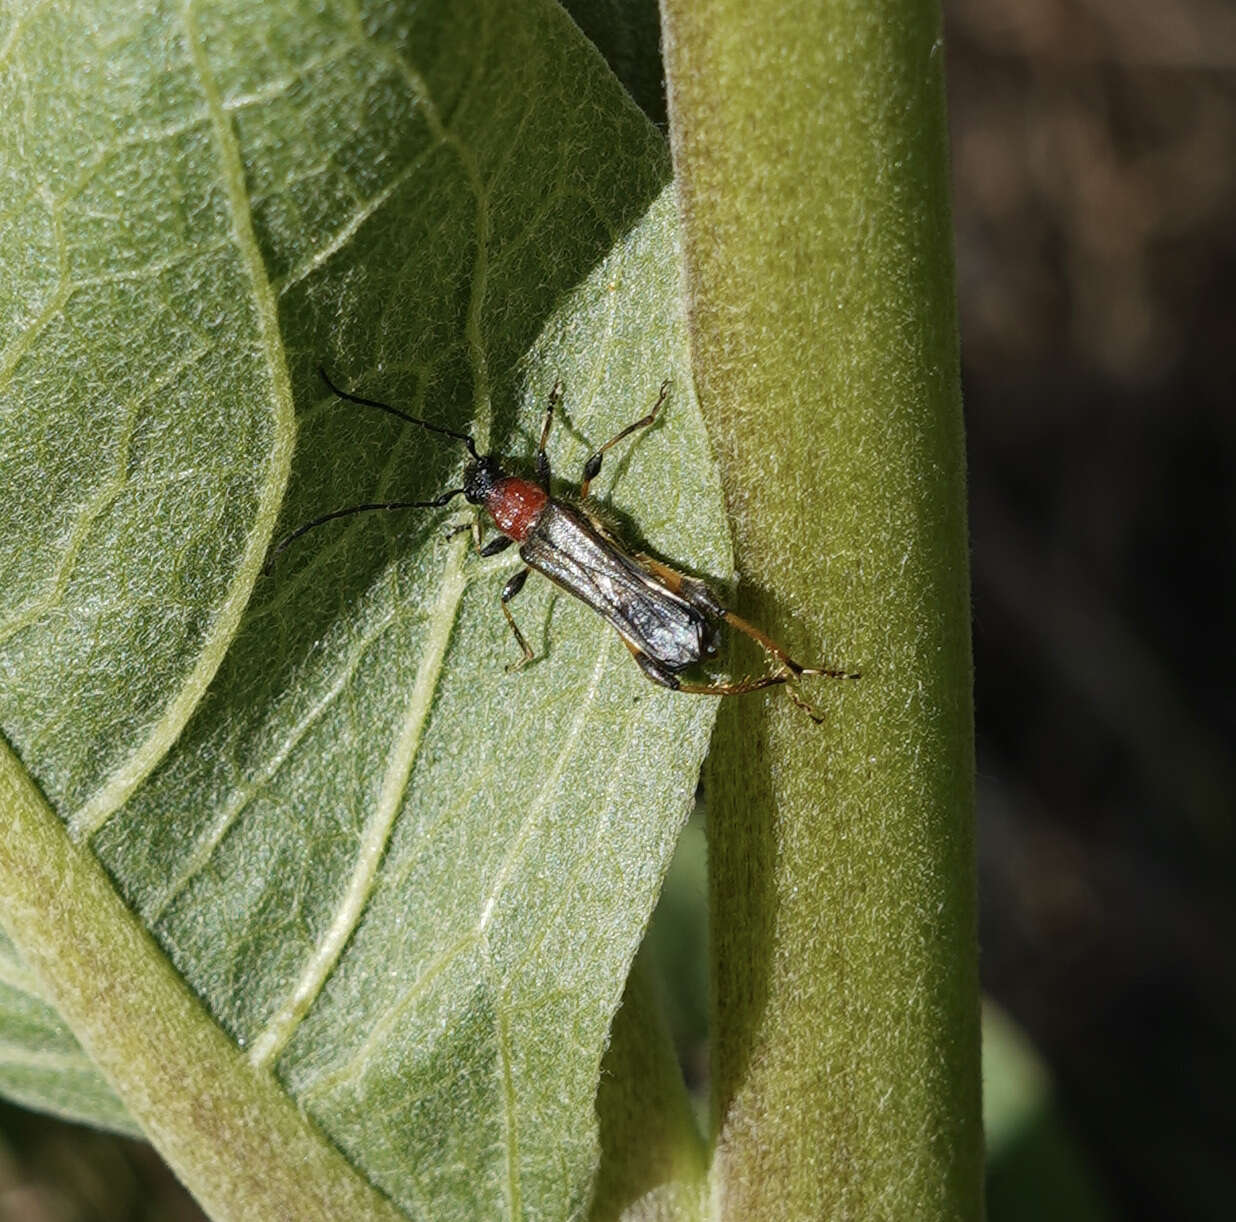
x: 376, y: 835
x: 345, y: 233
x: 377, y: 1037
x: 18, y: 1056
x: 116, y: 789
x: 14, y: 974
x: 11, y: 356
x: 205, y: 848
x: 536, y: 808
x: 98, y: 504
x: 513, y: 1187
x: 480, y: 265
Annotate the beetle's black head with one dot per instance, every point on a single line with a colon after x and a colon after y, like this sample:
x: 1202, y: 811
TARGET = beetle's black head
x: 480, y: 477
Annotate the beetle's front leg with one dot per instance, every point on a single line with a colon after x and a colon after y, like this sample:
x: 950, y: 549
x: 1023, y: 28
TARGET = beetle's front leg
x: 497, y: 544
x: 473, y: 527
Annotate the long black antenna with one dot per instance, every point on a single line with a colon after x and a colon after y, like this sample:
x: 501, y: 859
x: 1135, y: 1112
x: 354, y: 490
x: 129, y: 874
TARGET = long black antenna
x: 436, y: 503
x: 394, y: 411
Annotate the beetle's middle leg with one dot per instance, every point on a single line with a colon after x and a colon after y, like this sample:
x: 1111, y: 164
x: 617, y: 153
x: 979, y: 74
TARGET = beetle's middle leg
x: 513, y: 587
x: 593, y: 465
x: 515, y: 583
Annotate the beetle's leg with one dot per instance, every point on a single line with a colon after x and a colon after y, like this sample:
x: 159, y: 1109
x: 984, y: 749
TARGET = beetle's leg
x: 741, y: 686
x: 499, y: 543
x: 771, y: 647
x: 593, y: 465
x: 697, y: 593
x: 658, y: 674
x: 653, y: 669
x: 738, y: 687
x: 542, y: 459
x: 788, y: 671
x: 513, y: 587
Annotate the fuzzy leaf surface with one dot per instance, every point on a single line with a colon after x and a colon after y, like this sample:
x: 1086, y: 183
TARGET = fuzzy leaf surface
x: 407, y: 882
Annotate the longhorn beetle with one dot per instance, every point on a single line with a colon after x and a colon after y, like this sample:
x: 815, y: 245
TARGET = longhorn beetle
x: 668, y: 621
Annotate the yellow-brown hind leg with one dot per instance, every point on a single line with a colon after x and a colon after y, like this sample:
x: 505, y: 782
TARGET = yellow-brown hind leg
x: 701, y: 597
x: 771, y: 647
x: 754, y: 684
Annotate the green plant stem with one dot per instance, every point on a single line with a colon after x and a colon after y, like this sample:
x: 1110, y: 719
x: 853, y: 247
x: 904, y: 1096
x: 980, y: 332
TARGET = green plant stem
x: 809, y: 143
x: 228, y: 1130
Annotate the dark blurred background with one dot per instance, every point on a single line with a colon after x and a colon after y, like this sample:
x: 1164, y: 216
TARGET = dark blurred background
x: 1094, y: 161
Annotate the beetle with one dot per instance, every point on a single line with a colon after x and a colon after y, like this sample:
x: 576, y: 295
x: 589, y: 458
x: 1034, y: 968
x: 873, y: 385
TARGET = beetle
x: 668, y: 620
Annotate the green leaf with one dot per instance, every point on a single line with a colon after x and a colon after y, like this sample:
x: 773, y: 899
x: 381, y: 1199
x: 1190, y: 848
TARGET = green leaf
x: 628, y: 34
x: 405, y: 882
x: 41, y: 1064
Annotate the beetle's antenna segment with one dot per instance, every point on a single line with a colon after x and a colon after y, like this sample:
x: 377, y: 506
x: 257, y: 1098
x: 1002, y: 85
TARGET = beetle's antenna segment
x: 436, y: 503
x: 394, y: 411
